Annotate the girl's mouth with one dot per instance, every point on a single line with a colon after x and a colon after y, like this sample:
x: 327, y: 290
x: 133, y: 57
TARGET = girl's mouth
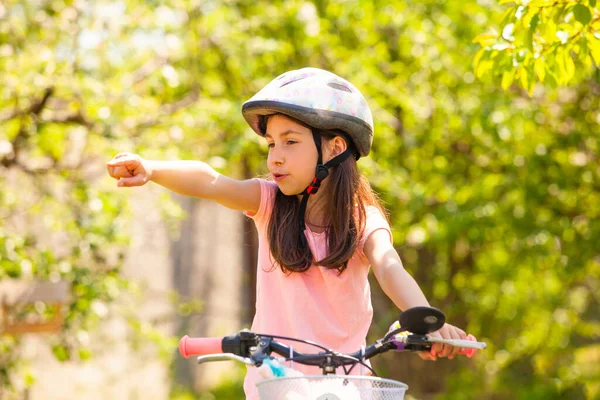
x: 278, y: 177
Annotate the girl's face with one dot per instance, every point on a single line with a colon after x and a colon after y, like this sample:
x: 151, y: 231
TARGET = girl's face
x: 292, y: 154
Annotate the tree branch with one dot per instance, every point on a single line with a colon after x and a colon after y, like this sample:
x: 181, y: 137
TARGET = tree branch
x: 36, y: 108
x: 169, y: 109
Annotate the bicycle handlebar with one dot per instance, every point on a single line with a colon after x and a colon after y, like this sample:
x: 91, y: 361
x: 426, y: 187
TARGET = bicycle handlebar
x: 409, y: 334
x: 411, y: 342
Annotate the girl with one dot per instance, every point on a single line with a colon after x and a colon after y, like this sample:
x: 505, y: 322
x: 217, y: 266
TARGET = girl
x: 320, y: 229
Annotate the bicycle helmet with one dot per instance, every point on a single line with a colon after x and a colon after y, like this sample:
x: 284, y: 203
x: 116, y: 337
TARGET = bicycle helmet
x: 322, y: 100
x: 318, y: 98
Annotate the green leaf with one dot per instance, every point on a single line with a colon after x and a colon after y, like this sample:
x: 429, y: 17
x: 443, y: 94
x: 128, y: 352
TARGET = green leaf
x: 508, y: 78
x: 566, y: 66
x: 483, y: 64
x: 538, y: 3
x: 560, y: 64
x: 551, y: 77
x: 592, y: 3
x: 482, y: 67
x: 594, y: 47
x: 500, y: 62
x: 549, y: 31
x: 84, y: 354
x: 558, y: 15
x: 531, y: 82
x: 485, y: 39
x: 506, y: 16
x: 524, y: 78
x: 582, y: 14
x: 60, y: 352
x: 540, y: 68
x: 584, y: 51
x: 569, y: 67
x: 478, y: 57
x: 532, y: 27
x: 534, y: 22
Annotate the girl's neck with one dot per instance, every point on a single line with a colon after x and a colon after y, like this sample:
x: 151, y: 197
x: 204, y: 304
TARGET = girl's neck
x: 315, y: 210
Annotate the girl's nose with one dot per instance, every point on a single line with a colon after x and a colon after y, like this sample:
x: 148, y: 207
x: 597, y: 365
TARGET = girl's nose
x: 275, y: 157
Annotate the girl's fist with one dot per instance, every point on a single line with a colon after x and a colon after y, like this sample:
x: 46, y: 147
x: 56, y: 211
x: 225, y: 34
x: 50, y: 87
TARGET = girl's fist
x: 129, y: 169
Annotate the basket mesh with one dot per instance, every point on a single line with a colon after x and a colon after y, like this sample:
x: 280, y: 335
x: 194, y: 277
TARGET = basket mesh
x: 331, y: 387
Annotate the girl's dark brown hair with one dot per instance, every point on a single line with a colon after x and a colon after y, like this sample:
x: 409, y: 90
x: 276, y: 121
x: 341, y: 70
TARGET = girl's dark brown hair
x: 348, y: 194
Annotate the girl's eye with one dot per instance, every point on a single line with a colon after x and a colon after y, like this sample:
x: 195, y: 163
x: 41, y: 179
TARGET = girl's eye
x: 289, y: 142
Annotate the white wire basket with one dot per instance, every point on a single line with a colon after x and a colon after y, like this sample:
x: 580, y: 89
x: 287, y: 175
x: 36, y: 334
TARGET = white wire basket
x: 331, y: 387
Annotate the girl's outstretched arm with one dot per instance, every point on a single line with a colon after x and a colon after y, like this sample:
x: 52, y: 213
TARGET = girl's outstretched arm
x: 189, y: 178
x: 403, y: 290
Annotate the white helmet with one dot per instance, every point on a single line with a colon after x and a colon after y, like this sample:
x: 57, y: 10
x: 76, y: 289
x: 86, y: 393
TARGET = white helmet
x: 318, y: 98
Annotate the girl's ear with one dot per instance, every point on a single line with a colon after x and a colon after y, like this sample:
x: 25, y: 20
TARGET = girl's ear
x: 335, y: 147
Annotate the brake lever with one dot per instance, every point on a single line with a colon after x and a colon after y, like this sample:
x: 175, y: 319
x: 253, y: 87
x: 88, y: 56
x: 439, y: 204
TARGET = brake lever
x: 224, y: 357
x: 410, y: 341
x: 468, y: 344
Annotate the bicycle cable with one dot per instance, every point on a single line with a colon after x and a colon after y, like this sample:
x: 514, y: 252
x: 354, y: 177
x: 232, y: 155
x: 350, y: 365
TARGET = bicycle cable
x: 328, y: 352
x: 296, y: 340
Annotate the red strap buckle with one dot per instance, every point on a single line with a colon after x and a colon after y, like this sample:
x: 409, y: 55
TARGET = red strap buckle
x: 314, y: 186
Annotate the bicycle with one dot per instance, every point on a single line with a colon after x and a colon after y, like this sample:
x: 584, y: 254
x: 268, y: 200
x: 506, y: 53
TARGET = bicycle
x: 410, y: 333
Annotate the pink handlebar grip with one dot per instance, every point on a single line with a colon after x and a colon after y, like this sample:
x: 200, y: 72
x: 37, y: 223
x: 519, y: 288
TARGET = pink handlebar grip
x: 199, y: 346
x: 469, y: 352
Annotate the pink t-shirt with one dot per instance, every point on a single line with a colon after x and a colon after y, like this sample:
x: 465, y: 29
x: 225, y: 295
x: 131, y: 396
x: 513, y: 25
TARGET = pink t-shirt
x: 318, y: 305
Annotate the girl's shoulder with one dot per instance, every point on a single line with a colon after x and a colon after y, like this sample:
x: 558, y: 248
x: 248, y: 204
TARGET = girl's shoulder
x: 267, y: 198
x: 375, y: 212
x: 266, y: 184
x: 375, y: 219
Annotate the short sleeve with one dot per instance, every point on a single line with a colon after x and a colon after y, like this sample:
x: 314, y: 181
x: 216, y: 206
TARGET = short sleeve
x: 267, y: 198
x: 375, y: 221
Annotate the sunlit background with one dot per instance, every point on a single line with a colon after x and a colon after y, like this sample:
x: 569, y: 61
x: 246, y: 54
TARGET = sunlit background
x: 485, y: 153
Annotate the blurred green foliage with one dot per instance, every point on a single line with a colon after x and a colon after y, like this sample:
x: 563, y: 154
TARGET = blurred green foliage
x: 230, y: 388
x: 494, y: 194
x: 556, y: 42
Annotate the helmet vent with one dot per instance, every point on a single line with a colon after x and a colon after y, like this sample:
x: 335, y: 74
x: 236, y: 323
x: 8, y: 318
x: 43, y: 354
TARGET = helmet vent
x: 339, y: 87
x: 293, y: 80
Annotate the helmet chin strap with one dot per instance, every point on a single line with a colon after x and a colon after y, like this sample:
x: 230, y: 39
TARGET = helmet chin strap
x: 321, y: 172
